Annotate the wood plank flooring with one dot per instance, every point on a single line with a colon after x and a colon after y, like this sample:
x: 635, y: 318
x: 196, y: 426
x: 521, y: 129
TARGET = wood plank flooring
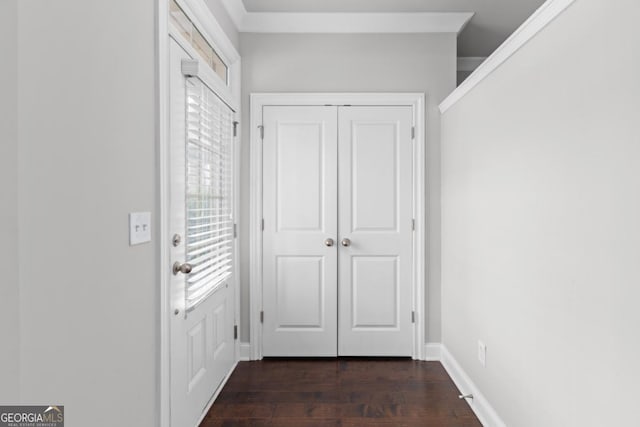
x: 344, y: 392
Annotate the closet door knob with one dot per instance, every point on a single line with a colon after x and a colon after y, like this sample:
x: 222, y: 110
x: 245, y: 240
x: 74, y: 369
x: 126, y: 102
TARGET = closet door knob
x: 329, y: 242
x: 345, y: 242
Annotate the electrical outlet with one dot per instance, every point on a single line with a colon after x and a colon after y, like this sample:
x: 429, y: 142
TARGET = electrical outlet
x: 482, y: 353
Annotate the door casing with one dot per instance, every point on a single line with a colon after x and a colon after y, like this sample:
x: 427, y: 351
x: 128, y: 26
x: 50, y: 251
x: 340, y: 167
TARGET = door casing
x: 414, y: 100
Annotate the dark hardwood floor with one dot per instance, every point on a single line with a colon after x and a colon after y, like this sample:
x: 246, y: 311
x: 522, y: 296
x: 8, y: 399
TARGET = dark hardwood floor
x: 345, y: 392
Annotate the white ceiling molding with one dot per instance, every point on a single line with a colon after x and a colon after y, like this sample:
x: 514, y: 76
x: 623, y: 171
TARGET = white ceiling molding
x: 282, y: 22
x: 542, y: 17
x: 470, y: 63
x: 355, y: 22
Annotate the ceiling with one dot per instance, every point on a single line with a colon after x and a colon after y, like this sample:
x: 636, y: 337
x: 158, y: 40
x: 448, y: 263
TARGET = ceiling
x: 493, y: 22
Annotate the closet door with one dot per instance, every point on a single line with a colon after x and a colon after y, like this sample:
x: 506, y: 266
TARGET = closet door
x: 375, y: 231
x: 300, y: 231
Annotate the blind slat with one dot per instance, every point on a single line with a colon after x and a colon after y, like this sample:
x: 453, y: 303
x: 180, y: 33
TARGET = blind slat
x: 195, y: 279
x: 209, y: 189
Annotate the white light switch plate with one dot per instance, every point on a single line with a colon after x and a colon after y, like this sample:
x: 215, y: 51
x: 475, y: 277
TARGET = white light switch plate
x: 139, y: 227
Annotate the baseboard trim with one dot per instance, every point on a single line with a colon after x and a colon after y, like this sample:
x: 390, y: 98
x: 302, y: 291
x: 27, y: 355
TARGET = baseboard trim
x: 479, y: 404
x: 245, y: 352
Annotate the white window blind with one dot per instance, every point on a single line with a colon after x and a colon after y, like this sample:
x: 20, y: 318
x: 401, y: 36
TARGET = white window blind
x: 209, y: 192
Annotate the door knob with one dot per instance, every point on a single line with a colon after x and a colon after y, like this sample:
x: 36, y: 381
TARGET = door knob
x: 181, y: 268
x: 345, y: 242
x: 328, y: 242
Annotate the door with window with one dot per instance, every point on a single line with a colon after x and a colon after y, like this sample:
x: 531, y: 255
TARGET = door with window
x: 202, y: 255
x: 337, y: 238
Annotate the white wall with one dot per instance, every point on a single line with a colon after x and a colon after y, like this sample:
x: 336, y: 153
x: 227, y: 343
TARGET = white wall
x: 9, y: 307
x: 540, y: 224
x: 353, y: 63
x: 87, y: 156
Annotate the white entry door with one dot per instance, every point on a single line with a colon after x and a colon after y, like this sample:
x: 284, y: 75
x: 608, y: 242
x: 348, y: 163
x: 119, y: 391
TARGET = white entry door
x: 337, y: 239
x: 201, y: 223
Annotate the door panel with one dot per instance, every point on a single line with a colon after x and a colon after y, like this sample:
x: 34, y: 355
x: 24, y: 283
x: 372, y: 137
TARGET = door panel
x: 299, y: 209
x: 375, y: 200
x: 299, y: 306
x: 375, y: 292
x: 299, y: 175
x: 374, y: 175
x: 202, y: 342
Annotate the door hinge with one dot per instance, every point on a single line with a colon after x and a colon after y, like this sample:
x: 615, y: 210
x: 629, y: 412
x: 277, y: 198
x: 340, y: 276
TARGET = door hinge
x: 262, y: 224
x: 235, y: 128
x: 262, y: 317
x: 235, y: 332
x: 235, y: 231
x: 413, y: 225
x: 413, y: 132
x: 261, y: 127
x: 413, y: 317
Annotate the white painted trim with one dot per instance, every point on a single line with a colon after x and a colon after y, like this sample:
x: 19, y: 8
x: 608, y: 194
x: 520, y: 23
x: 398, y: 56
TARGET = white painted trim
x: 245, y: 351
x: 257, y: 102
x: 437, y: 352
x: 255, y: 230
x: 432, y: 352
x: 420, y: 236
x: 479, y: 404
x: 470, y: 63
x: 550, y: 10
x: 281, y: 22
x: 162, y: 138
x: 237, y: 147
x: 444, y: 22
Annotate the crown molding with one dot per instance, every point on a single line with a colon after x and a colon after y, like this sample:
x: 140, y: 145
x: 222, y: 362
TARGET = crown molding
x: 355, y: 22
x: 282, y: 22
x: 542, y: 17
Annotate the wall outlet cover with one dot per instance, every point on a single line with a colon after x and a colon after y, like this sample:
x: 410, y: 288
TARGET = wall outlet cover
x: 482, y: 353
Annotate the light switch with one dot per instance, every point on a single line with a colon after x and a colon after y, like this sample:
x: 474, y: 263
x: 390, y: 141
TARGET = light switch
x: 139, y: 227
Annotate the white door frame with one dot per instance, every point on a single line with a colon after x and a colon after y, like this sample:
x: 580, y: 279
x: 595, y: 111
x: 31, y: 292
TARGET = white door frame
x: 201, y: 16
x: 260, y: 100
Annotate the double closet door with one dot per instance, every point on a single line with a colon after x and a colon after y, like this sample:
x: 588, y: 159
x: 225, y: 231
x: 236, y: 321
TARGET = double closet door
x: 337, y: 237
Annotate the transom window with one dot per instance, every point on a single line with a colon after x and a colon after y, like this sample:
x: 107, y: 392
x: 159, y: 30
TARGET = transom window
x: 189, y: 31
